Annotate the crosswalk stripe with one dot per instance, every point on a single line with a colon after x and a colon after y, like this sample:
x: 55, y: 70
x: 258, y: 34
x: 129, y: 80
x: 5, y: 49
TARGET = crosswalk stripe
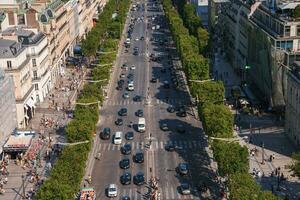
x: 132, y: 145
x: 172, y: 193
x: 99, y: 147
x: 167, y: 193
x: 161, y: 144
x: 113, y: 147
x: 109, y: 146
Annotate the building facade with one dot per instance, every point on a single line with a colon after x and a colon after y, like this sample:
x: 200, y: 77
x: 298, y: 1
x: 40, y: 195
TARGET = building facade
x: 8, y: 117
x: 261, y: 40
x: 202, y: 10
x: 292, y: 112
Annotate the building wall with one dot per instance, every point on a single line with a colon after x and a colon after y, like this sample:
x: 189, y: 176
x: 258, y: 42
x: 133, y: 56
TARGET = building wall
x: 292, y: 113
x: 8, y: 116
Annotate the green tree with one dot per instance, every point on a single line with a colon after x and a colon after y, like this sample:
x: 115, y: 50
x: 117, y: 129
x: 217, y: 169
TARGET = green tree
x: 231, y: 157
x: 203, y: 39
x: 297, y: 12
x: 217, y: 120
x: 211, y: 91
x: 191, y: 20
x: 295, y: 167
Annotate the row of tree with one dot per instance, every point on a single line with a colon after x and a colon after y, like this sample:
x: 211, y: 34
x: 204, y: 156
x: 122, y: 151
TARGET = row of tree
x: 192, y: 41
x: 67, y: 173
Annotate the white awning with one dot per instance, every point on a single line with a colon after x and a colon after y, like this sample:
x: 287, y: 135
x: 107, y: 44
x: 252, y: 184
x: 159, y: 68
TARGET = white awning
x: 25, y: 106
x: 30, y: 103
x: 26, y: 117
x: 291, y: 6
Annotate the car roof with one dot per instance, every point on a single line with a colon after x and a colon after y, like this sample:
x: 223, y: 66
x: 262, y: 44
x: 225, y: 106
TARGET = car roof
x: 112, y: 185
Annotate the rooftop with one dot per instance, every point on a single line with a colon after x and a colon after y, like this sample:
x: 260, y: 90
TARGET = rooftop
x: 10, y: 48
x: 27, y: 37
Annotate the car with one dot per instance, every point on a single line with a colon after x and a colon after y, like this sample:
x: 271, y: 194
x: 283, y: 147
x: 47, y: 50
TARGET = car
x: 137, y: 98
x: 130, y: 76
x: 130, y: 87
x: 112, y: 190
x: 119, y: 122
x: 135, y: 48
x: 123, y: 112
x: 126, y: 149
x: 135, y: 53
x: 105, y: 134
x: 164, y: 126
x: 171, y: 109
x: 182, y: 112
x: 126, y: 95
x: 132, y: 67
x: 124, y: 66
x: 124, y: 163
x: 183, y: 168
x: 139, y: 113
x: 185, y: 188
x: 139, y: 157
x: 119, y: 87
x: 125, y: 179
x: 142, y: 38
x: 180, y: 128
x: 166, y: 85
x: 139, y: 178
x: 125, y: 198
x: 129, y: 135
x: 153, y: 80
x: 170, y: 147
x: 121, y: 82
x: 163, y: 70
x: 122, y: 75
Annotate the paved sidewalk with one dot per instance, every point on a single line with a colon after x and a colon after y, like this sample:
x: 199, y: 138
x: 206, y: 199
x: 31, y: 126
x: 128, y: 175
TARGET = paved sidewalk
x: 262, y: 130
x: 49, y: 121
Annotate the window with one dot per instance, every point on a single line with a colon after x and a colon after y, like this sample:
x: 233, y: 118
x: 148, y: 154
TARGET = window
x: 21, y: 19
x: 32, y: 50
x: 36, y: 86
x: 298, y: 30
x: 34, y: 75
x: 287, y: 31
x: 34, y: 62
x: 9, y: 64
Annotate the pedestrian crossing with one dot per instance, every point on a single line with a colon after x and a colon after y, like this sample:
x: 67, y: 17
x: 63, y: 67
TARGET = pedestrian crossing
x: 166, y: 193
x: 155, y: 145
x: 153, y: 101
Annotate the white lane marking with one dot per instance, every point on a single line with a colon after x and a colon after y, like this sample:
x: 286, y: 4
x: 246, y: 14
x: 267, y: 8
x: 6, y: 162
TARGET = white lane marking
x: 156, y: 145
x: 99, y: 147
x: 113, y: 147
x: 161, y: 144
x: 167, y: 193
x: 132, y: 145
x: 172, y: 193
x: 109, y: 147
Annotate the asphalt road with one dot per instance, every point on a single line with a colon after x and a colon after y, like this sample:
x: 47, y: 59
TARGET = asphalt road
x: 155, y: 101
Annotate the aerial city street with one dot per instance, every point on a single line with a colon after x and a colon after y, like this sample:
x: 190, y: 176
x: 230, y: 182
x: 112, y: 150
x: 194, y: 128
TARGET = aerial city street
x: 149, y: 99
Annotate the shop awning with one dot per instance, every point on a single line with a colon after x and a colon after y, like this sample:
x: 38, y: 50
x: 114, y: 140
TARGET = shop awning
x: 25, y: 106
x: 30, y: 103
x: 19, y: 141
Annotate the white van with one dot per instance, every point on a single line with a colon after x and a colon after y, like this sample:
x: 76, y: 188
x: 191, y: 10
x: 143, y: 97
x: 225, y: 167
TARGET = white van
x: 118, y: 137
x: 130, y: 87
x: 142, y: 125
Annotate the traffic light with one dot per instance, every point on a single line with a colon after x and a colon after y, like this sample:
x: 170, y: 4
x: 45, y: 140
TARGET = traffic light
x: 247, y: 67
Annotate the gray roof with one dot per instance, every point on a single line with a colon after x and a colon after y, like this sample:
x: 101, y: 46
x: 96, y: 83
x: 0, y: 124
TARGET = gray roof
x: 10, y: 48
x: 18, y: 31
x: 27, y: 37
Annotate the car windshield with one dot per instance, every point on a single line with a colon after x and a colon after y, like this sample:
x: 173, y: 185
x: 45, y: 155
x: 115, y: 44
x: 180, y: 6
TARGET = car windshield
x: 112, y: 189
x: 185, y: 186
x: 183, y: 166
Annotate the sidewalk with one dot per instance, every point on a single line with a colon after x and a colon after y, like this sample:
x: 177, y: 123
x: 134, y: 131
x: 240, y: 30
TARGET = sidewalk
x: 49, y: 122
x: 264, y: 131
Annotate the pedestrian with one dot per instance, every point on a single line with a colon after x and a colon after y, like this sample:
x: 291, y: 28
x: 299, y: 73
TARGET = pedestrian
x: 271, y: 157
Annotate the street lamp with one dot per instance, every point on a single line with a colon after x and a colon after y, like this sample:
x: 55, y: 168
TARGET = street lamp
x: 23, y: 186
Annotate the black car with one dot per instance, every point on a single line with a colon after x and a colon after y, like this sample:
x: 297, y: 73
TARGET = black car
x: 170, y: 147
x: 119, y: 87
x: 153, y: 80
x: 130, y: 76
x: 139, y: 157
x: 171, y: 109
x: 183, y: 168
x: 142, y: 38
x: 123, y: 112
x: 119, y: 122
x: 182, y: 112
x: 139, y: 178
x: 163, y: 70
x: 180, y: 128
x: 121, y: 82
x: 135, y: 53
x: 164, y: 127
x: 125, y: 179
x: 137, y: 98
x: 125, y: 198
x: 139, y: 113
x: 126, y: 149
x: 105, y: 134
x: 124, y: 163
x: 129, y: 135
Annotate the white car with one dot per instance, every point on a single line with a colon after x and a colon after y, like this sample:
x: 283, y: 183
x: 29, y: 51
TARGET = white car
x: 112, y: 190
x: 132, y: 67
x: 130, y: 87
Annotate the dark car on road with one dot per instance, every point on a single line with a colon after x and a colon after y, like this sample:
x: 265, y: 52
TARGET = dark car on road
x: 124, y: 163
x: 139, y: 113
x: 126, y: 149
x: 119, y: 122
x: 125, y: 198
x: 185, y: 188
x: 125, y: 179
x: 139, y: 178
x: 105, y: 134
x: 171, y: 109
x: 153, y: 80
x: 129, y: 135
x: 139, y: 157
x: 137, y: 98
x: 183, y: 169
x: 164, y: 126
x: 123, y: 112
x: 170, y: 147
x: 182, y: 112
x: 180, y: 128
